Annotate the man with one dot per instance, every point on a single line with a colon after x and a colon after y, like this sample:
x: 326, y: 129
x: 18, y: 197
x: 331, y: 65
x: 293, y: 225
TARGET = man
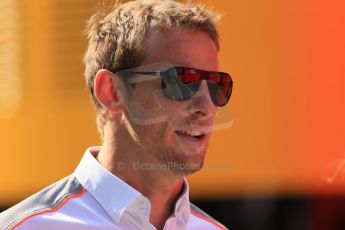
x: 152, y: 70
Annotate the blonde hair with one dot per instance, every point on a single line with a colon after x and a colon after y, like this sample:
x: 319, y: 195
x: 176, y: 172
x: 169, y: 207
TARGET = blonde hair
x: 117, y: 37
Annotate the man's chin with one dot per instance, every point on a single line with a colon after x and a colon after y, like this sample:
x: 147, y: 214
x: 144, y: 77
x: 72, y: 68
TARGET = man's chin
x: 181, y: 165
x: 185, y: 169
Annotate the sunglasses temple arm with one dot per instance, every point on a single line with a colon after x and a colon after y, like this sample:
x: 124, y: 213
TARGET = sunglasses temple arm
x: 157, y: 73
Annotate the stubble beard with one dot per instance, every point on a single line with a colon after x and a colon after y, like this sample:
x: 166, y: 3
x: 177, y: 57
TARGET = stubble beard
x: 167, y: 161
x: 151, y: 140
x: 178, y: 163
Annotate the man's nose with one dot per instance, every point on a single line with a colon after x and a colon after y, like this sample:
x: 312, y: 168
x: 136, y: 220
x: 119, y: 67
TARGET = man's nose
x: 202, y: 105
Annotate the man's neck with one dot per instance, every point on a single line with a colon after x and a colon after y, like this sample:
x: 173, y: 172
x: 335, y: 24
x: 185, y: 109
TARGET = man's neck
x: 161, y: 190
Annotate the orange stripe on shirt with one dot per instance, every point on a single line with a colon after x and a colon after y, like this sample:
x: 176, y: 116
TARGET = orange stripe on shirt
x: 208, y: 220
x: 51, y: 210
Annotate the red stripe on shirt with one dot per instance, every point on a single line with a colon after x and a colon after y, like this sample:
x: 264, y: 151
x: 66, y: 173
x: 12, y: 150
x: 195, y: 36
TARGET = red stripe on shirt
x: 209, y: 220
x: 67, y: 198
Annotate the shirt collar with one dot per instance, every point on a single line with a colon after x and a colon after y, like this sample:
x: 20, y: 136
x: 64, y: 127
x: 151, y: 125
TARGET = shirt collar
x: 182, y: 205
x: 99, y: 182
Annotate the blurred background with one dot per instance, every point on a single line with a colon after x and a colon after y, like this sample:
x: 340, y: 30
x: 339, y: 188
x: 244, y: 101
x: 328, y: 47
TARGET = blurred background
x: 279, y: 163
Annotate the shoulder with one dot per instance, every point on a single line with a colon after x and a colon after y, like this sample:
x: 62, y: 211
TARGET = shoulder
x: 47, y: 200
x: 202, y: 220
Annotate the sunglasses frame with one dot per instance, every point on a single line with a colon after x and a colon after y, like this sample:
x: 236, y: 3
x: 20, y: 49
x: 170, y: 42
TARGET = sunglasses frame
x: 170, y: 76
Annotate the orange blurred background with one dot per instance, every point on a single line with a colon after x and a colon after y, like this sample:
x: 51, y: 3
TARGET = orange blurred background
x: 287, y: 108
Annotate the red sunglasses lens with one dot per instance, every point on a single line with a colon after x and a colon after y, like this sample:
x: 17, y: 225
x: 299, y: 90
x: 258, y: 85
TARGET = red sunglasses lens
x: 187, y: 75
x: 223, y: 81
x: 219, y: 84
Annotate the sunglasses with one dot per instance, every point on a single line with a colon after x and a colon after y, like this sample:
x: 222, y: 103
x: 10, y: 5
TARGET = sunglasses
x: 181, y: 83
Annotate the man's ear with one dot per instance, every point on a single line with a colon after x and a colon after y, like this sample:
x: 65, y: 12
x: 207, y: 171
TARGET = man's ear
x: 109, y: 90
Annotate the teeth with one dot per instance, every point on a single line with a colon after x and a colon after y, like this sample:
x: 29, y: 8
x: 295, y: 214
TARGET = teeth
x: 193, y: 133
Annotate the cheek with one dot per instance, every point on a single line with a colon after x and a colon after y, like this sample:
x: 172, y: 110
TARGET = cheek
x: 174, y: 116
x: 150, y: 107
x: 148, y: 94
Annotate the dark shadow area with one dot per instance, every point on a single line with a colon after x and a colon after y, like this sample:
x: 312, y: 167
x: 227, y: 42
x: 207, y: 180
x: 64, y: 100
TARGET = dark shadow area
x: 297, y: 213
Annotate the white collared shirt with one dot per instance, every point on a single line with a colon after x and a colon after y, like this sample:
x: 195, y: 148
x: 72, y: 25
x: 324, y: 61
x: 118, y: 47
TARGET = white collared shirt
x: 94, y: 198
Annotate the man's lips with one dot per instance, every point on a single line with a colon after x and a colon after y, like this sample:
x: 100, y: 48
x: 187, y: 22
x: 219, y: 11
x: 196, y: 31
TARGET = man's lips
x: 195, y: 129
x: 186, y: 134
x: 193, y: 138
x: 191, y: 142
x: 191, y: 145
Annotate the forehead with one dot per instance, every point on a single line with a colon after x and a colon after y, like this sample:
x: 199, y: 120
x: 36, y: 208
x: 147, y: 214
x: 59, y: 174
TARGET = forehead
x: 192, y: 48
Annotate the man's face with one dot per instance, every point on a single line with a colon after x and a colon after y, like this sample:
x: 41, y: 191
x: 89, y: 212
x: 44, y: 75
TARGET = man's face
x: 161, y: 140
